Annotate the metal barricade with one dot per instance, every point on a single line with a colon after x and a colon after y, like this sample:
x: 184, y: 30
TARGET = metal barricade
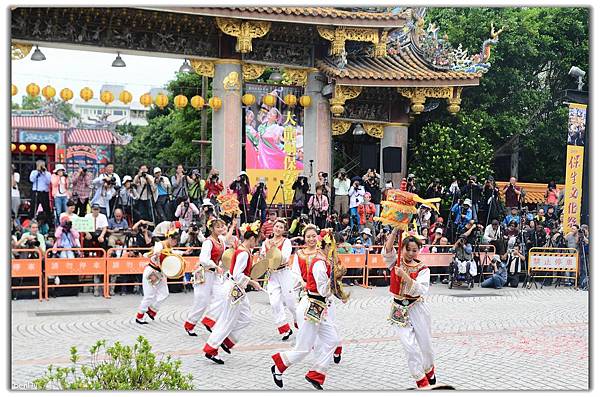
x: 554, y: 261
x: 79, y: 266
x: 28, y: 268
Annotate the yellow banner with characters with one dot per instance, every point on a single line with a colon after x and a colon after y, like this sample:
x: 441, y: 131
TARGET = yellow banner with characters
x: 574, y: 167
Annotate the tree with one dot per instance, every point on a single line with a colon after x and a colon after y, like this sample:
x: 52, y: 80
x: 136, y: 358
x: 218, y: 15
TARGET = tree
x: 167, y: 139
x: 522, y: 94
x: 451, y: 148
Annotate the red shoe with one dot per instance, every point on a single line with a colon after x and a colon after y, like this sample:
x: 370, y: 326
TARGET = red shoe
x: 431, y: 376
x: 423, y: 382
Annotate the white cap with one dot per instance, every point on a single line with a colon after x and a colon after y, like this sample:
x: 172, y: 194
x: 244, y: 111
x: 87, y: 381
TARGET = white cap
x: 243, y: 173
x: 207, y: 202
x: 127, y: 178
x: 366, y: 231
x: 467, y: 202
x: 59, y: 167
x: 439, y: 230
x: 157, y: 169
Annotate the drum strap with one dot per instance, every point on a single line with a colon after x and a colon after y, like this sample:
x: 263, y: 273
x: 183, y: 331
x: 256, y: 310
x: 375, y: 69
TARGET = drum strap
x: 153, y: 266
x: 316, y: 297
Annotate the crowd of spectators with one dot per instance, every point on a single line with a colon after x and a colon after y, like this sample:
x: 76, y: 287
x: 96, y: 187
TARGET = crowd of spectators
x: 134, y: 211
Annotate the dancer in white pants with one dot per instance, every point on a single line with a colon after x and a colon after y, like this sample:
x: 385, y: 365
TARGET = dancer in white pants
x: 235, y: 315
x: 316, y: 332
x: 300, y: 264
x: 409, y: 281
x: 281, y: 281
x: 205, y: 287
x: 154, y: 282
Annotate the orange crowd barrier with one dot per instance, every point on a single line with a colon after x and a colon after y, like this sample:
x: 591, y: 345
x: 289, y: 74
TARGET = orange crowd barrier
x: 355, y: 261
x: 81, y: 266
x: 28, y: 268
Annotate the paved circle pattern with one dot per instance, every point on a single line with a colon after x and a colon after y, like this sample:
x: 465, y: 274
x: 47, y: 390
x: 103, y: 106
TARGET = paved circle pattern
x: 509, y: 339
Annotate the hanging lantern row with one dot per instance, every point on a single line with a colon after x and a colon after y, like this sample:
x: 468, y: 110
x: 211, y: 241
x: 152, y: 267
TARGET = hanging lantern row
x: 66, y: 94
x: 270, y: 100
x: 33, y: 147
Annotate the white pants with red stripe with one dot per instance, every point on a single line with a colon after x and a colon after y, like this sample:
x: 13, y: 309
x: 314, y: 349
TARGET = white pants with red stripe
x: 233, y: 319
x: 154, y: 295
x: 204, y: 295
x: 281, y: 296
x: 322, y: 337
x: 212, y: 314
x: 301, y: 309
x: 416, y: 339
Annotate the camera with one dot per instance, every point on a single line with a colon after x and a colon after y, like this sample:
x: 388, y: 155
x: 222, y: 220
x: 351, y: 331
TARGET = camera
x: 32, y: 243
x: 67, y: 226
x: 194, y: 227
x: 325, y: 174
x: 111, y: 181
x: 214, y: 178
x: 144, y: 174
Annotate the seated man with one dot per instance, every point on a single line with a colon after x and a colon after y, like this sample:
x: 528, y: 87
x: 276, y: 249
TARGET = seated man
x: 30, y: 240
x: 498, y: 279
x: 117, y: 227
x: 463, y: 258
x: 97, y: 238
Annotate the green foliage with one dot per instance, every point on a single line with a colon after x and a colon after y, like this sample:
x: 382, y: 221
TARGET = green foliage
x: 167, y: 139
x: 523, y: 92
x: 120, y: 367
x: 452, y: 148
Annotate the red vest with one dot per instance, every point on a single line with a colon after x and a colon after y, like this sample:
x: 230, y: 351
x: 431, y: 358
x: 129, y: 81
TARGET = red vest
x: 216, y: 252
x: 311, y: 284
x: 248, y: 264
x: 395, y: 280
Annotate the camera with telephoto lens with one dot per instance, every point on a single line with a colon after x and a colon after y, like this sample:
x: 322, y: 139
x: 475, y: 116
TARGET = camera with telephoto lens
x: 214, y: 178
x: 32, y: 243
x: 194, y: 228
x: 144, y: 173
x: 67, y: 226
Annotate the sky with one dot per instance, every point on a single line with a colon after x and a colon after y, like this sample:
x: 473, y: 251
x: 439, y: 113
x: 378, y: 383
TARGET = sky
x: 77, y: 69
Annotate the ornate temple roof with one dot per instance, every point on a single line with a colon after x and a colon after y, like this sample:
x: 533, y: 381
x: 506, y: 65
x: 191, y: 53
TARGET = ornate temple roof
x: 386, y: 17
x: 393, y: 68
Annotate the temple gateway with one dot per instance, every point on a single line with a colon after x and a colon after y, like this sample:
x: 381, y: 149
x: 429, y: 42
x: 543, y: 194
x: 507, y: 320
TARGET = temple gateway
x: 374, y: 69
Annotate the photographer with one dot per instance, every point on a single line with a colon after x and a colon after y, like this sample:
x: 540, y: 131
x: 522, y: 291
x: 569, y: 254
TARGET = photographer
x: 300, y: 188
x: 206, y: 214
x: 15, y: 194
x: 60, y: 190
x: 214, y: 186
x: 109, y: 173
x: 241, y: 186
x: 105, y: 191
x: 341, y: 184
x: 342, y: 223
x: 462, y: 214
x: 32, y: 239
x: 493, y: 236
x: 411, y: 184
x: 551, y: 195
x: 127, y: 197
x: 536, y: 237
x: 40, y: 179
x: 434, y: 190
x: 185, y: 212
x: 498, y: 279
x: 144, y: 185
x: 161, y: 193
x: 142, y: 234
x: 372, y: 181
x: 472, y: 190
x: 323, y: 182
x: 81, y: 182
x: 366, y: 212
x: 424, y: 215
x: 512, y: 193
x: 463, y: 255
x: 66, y: 237
x: 490, y: 205
x: 196, y: 186
x: 192, y: 237
x: 179, y: 183
x: 356, y: 194
x: 258, y: 203
x: 454, y: 190
x: 515, y: 265
x: 317, y: 208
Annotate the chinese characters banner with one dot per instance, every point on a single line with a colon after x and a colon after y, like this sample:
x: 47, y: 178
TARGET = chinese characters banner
x: 574, y: 166
x: 274, y: 140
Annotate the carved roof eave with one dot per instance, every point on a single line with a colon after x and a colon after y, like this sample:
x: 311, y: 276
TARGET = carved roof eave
x: 304, y: 19
x: 406, y: 83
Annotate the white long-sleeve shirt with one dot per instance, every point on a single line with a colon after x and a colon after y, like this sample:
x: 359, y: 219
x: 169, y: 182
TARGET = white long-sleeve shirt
x: 238, y: 276
x: 356, y: 196
x: 207, y: 247
x: 286, y: 250
x: 319, y: 272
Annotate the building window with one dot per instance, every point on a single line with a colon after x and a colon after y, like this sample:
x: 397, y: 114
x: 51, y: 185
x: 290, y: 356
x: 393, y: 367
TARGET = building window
x: 118, y: 113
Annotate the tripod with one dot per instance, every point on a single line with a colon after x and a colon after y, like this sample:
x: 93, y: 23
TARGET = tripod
x: 585, y: 282
x: 275, y: 195
x: 260, y: 191
x: 477, y: 256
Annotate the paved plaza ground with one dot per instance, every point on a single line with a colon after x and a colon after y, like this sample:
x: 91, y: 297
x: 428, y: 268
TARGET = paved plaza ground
x: 513, y: 339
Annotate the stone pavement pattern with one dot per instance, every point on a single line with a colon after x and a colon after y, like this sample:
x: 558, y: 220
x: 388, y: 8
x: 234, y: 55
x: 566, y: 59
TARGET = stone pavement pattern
x: 509, y: 339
